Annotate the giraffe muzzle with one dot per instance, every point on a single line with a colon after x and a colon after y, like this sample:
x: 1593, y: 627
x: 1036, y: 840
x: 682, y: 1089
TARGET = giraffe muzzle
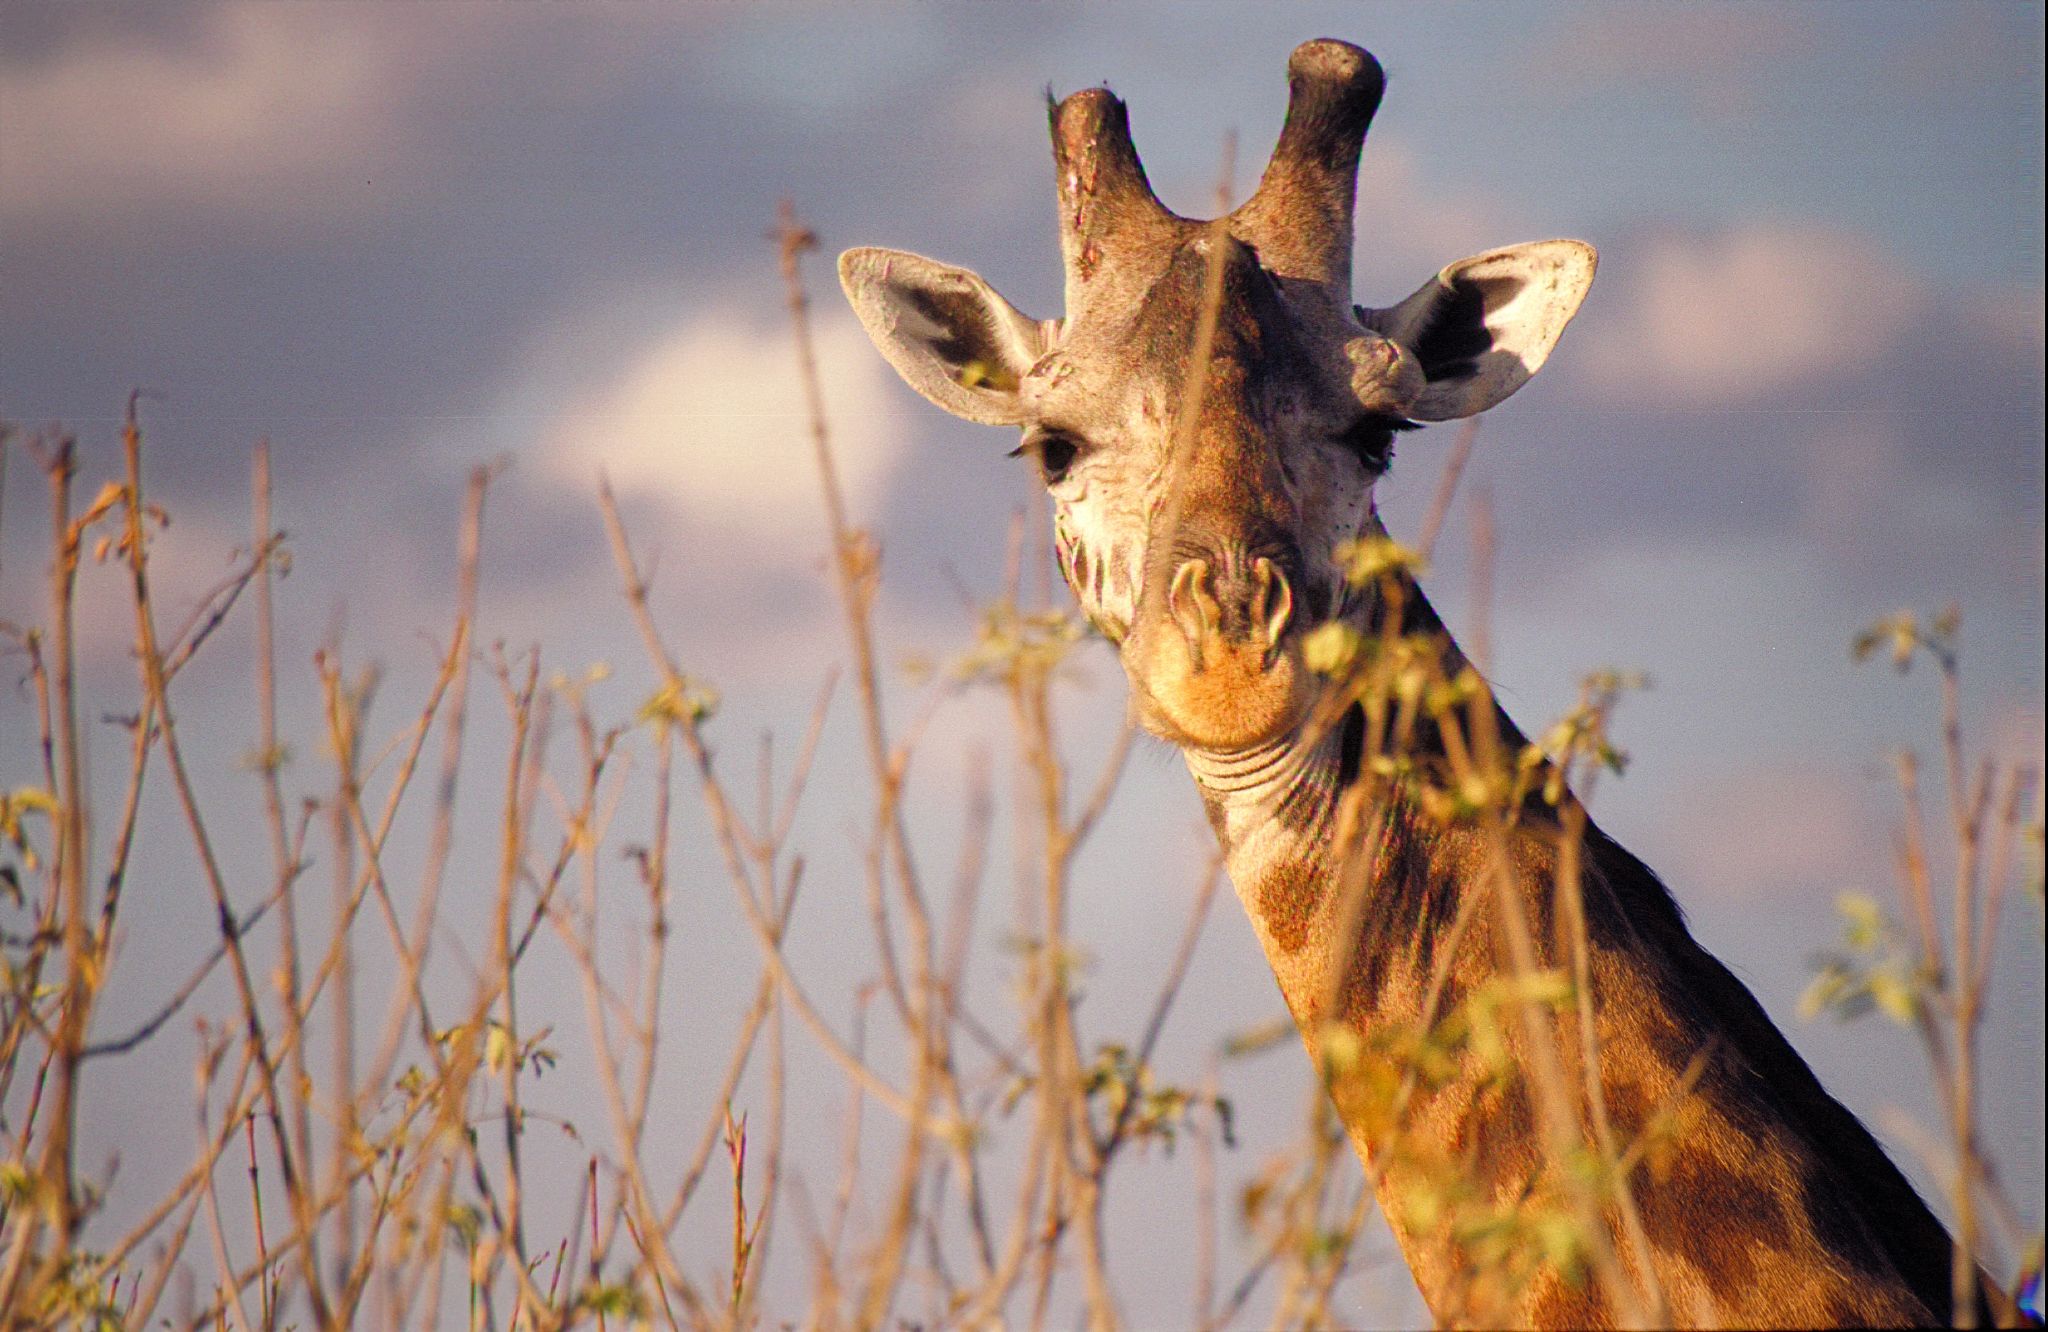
x: 1215, y: 666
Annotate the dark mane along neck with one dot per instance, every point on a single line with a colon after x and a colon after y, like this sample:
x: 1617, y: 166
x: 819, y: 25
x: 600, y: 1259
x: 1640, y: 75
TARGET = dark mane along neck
x: 1851, y: 1187
x: 1772, y: 1205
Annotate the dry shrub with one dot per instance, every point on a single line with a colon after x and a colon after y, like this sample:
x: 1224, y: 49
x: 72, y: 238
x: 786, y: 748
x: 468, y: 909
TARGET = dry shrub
x: 393, y: 1181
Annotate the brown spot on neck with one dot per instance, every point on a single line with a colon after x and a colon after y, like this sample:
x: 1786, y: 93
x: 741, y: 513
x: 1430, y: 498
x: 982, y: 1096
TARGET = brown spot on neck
x: 1287, y: 897
x: 1561, y: 1303
x: 1717, y: 1216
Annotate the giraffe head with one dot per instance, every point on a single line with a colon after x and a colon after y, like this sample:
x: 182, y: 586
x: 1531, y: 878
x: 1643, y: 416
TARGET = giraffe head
x: 1196, y: 522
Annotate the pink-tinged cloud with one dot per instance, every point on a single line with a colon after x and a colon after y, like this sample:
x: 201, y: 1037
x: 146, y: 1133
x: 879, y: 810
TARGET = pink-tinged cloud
x: 280, y: 114
x: 1408, y: 229
x: 2016, y: 317
x: 1969, y: 51
x: 287, y: 114
x: 1816, y: 831
x: 1861, y: 477
x: 1733, y: 317
x: 1000, y: 115
x: 1724, y: 58
x: 189, y: 561
x: 2013, y: 734
x: 1775, y: 830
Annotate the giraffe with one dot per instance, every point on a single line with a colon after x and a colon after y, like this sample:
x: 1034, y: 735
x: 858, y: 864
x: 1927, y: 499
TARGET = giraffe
x: 1201, y: 496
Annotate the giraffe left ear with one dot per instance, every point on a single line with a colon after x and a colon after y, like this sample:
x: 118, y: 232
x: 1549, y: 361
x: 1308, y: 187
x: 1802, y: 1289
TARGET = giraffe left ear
x: 947, y: 332
x: 1483, y: 326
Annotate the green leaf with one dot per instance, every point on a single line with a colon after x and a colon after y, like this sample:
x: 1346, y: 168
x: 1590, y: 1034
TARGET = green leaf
x: 1823, y: 992
x: 1330, y: 649
x: 467, y: 1221
x: 16, y: 1184
x: 681, y: 700
x: 1895, y: 996
x: 1378, y: 556
x: 497, y: 1048
x: 1341, y: 1050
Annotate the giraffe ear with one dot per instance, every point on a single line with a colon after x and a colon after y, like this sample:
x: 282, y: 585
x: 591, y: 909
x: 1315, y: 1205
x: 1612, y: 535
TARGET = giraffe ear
x: 1483, y: 326
x: 946, y: 331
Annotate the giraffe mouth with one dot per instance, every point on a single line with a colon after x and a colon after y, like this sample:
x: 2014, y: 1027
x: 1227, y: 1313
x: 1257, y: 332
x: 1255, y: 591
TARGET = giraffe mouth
x: 1218, y: 670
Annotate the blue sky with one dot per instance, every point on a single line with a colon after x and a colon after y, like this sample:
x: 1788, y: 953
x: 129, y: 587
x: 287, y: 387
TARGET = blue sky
x: 399, y: 240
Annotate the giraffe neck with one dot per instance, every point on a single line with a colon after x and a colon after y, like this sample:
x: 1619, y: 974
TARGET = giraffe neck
x: 1773, y: 1206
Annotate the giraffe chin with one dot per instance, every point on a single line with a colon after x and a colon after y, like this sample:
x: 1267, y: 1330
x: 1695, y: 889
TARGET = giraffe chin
x: 1232, y: 696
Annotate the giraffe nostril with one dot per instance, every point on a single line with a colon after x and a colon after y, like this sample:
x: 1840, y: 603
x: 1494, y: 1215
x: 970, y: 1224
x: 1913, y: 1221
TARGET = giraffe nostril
x: 1232, y: 601
x: 1272, y: 602
x: 1191, y: 601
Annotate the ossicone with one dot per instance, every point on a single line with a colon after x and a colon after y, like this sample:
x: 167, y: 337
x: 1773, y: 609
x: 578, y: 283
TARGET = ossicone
x: 1300, y: 218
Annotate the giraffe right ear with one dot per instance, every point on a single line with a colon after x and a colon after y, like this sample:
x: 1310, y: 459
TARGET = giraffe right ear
x: 946, y: 331
x: 1484, y: 325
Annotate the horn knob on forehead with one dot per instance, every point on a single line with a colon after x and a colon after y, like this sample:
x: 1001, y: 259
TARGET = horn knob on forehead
x: 1300, y: 217
x: 1103, y: 194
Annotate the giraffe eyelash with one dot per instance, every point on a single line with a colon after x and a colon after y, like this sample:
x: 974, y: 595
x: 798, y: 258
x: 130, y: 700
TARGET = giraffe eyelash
x: 1055, y: 451
x: 1371, y: 440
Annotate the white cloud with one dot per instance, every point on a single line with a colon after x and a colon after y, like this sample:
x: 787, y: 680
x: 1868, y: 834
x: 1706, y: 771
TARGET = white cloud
x: 1728, y: 318
x: 708, y: 416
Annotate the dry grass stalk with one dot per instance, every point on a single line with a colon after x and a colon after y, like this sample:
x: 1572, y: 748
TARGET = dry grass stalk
x: 408, y: 1155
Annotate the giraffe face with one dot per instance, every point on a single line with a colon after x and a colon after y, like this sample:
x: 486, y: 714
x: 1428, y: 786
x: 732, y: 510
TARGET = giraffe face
x: 1199, y: 494
x: 1204, y: 550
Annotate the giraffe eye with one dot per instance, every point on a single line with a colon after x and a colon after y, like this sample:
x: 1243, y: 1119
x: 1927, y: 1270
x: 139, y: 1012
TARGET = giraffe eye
x: 1055, y: 452
x: 1371, y: 440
